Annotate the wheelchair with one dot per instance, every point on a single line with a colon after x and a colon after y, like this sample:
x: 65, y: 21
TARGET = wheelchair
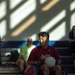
x: 52, y: 72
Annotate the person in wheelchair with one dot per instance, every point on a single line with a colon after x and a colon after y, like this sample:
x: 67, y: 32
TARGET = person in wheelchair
x: 40, y: 53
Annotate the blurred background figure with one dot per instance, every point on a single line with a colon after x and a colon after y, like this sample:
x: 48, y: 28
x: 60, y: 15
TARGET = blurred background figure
x: 72, y: 40
x: 72, y: 33
x: 24, y: 54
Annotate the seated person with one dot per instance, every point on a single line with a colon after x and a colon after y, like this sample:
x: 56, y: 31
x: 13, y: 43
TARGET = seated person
x: 41, y: 52
x: 24, y: 54
x: 72, y: 33
x: 72, y: 40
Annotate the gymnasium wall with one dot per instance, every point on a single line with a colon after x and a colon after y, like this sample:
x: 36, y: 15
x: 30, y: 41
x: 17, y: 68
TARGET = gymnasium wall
x: 20, y: 19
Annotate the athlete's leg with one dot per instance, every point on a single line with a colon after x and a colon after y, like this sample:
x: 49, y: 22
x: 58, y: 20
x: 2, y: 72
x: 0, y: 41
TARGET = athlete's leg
x: 58, y: 70
x: 21, y: 64
x: 45, y: 69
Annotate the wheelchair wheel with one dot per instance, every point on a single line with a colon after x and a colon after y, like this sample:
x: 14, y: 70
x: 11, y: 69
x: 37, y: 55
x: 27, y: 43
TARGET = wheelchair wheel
x: 64, y: 71
x: 52, y: 72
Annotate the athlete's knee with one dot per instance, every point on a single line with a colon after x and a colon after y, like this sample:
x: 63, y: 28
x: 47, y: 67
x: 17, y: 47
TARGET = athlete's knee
x: 44, y: 67
x: 58, y: 68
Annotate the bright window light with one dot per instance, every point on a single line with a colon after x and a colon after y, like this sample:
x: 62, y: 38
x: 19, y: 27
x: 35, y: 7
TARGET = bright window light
x: 72, y: 6
x: 42, y: 1
x: 24, y: 26
x: 22, y: 12
x: 34, y: 36
x: 14, y: 3
x: 54, y: 21
x: 58, y: 33
x: 2, y: 28
x: 2, y: 9
x: 72, y: 20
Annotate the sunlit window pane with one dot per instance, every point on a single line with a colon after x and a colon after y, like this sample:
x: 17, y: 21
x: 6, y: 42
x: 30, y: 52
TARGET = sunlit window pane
x: 72, y: 20
x: 42, y: 1
x: 58, y: 33
x: 72, y: 6
x: 2, y: 28
x: 22, y: 12
x: 54, y: 21
x: 2, y: 9
x: 14, y: 3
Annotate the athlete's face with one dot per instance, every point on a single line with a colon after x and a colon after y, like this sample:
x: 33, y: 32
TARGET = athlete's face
x: 43, y: 40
